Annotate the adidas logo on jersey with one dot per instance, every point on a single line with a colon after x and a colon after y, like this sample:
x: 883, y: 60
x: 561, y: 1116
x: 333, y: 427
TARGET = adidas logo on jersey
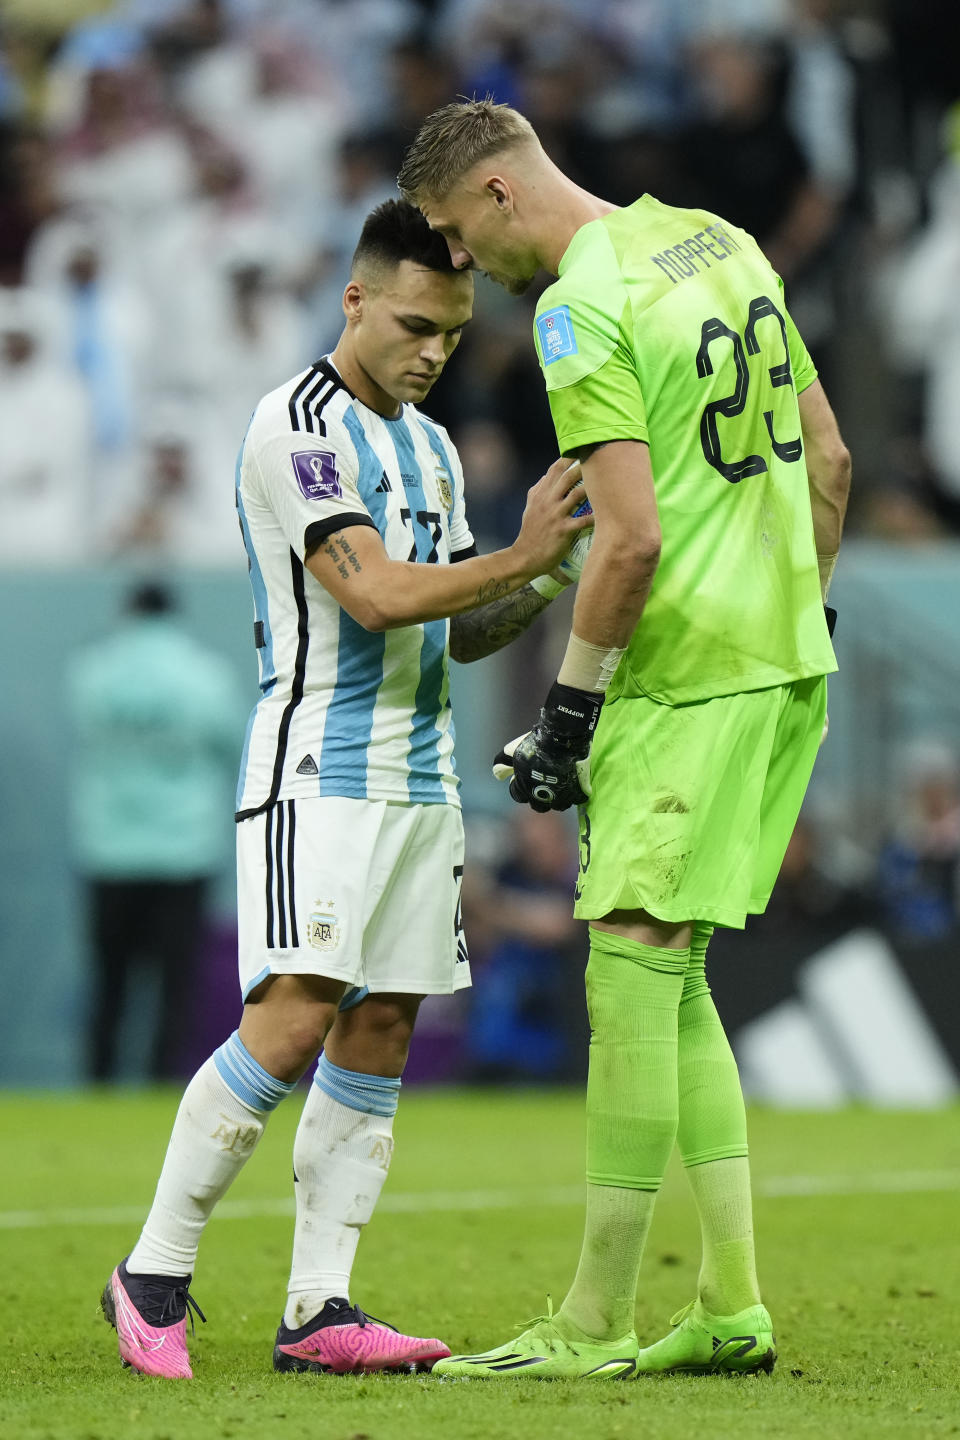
x: 307, y: 766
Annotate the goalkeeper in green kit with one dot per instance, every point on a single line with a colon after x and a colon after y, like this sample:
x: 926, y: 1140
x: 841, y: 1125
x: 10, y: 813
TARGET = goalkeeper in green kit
x: 691, y: 701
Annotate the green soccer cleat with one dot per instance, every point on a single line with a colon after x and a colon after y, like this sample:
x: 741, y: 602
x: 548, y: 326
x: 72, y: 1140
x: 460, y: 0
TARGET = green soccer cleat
x: 542, y: 1353
x: 705, y: 1344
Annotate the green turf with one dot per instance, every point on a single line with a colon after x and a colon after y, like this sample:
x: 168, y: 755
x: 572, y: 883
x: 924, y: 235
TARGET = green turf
x: 863, y: 1286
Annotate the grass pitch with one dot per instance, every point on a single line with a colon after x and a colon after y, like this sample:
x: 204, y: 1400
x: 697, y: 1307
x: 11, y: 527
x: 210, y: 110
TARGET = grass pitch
x: 857, y: 1228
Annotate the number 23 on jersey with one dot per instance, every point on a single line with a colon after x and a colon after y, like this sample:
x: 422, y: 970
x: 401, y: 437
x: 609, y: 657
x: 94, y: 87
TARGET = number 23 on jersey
x: 762, y: 315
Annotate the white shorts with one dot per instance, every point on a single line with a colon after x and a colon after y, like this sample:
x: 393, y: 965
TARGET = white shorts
x: 364, y: 891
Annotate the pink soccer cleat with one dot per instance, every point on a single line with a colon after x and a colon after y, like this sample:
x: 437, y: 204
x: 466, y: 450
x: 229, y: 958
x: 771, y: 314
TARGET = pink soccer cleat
x: 149, y: 1314
x: 343, y: 1340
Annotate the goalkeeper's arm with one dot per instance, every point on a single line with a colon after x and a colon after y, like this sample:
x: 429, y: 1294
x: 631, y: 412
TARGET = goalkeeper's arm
x: 613, y: 590
x: 828, y: 473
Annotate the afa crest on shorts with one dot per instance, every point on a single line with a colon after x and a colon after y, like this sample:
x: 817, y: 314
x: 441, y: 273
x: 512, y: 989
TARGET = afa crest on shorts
x: 323, y: 930
x: 444, y: 481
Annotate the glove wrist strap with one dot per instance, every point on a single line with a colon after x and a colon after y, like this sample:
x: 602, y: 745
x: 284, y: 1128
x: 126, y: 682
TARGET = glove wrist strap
x: 587, y: 666
x: 571, y: 714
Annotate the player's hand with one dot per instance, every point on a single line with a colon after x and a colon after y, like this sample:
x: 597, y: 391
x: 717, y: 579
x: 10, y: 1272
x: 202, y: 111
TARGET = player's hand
x: 549, y: 767
x: 550, y: 525
x: 569, y: 570
x: 826, y: 729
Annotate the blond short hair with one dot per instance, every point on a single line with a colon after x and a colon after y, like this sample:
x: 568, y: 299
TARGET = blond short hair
x: 452, y: 140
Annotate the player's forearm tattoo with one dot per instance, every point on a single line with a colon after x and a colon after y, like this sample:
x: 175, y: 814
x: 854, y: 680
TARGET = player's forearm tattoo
x: 480, y: 632
x: 491, y: 591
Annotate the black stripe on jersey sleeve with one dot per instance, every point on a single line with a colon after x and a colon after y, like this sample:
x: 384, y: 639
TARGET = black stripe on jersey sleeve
x: 311, y: 420
x: 470, y: 554
x: 335, y: 384
x: 317, y: 532
x: 292, y: 402
x: 331, y: 374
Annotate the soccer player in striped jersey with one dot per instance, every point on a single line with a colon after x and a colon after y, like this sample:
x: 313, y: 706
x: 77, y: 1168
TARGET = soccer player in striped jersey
x: 349, y: 834
x: 694, y: 682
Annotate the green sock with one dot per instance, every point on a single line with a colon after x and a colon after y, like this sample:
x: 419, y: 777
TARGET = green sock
x: 633, y: 992
x: 712, y: 1136
x: 603, y: 1296
x: 728, y: 1272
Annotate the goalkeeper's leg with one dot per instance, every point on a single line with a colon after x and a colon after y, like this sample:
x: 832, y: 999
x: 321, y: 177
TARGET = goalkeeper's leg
x: 712, y: 1136
x: 633, y: 992
x: 726, y: 1327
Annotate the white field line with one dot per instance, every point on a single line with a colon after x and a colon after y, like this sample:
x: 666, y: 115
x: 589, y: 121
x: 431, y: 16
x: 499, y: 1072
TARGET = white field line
x: 883, y: 1182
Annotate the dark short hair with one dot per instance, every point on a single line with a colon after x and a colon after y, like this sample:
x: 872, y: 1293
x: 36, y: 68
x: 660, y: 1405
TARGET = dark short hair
x: 396, y: 231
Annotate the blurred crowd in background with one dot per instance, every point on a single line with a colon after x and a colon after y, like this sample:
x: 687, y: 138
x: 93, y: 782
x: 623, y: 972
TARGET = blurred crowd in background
x: 182, y: 183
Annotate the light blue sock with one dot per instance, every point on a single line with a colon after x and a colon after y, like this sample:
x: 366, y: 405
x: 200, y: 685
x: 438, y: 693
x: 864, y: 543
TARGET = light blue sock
x: 375, y: 1094
x: 247, y: 1079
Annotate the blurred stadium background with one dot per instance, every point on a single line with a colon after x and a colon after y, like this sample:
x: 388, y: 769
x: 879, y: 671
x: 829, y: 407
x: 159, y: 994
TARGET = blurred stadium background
x: 181, y: 186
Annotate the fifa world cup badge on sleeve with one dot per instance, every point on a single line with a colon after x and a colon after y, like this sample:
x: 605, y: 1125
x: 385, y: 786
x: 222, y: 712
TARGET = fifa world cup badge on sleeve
x: 316, y: 472
x: 555, y: 329
x: 324, y: 930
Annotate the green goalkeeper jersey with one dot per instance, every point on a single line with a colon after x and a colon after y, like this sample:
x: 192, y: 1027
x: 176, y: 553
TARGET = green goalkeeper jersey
x: 669, y: 326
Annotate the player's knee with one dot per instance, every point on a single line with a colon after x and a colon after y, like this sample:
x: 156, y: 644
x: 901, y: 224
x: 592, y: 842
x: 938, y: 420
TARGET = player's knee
x: 625, y: 976
x: 286, y: 1022
x: 374, y: 1037
x: 306, y: 1034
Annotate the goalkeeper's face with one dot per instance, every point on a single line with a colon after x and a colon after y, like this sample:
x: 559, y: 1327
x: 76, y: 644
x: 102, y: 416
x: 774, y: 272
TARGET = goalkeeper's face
x: 484, y: 232
x: 405, y: 322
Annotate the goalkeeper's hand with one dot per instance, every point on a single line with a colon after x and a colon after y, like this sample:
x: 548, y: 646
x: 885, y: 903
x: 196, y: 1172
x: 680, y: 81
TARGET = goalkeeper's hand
x: 503, y: 766
x: 549, y: 767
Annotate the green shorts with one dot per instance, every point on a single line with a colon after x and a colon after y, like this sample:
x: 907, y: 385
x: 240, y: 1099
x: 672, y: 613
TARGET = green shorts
x: 693, y: 805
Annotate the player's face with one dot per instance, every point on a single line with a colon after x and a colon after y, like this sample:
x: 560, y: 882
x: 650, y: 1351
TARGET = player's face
x: 483, y: 233
x: 408, y: 327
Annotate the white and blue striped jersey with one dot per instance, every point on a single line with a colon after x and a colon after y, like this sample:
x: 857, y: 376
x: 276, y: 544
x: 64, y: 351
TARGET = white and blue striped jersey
x: 344, y: 711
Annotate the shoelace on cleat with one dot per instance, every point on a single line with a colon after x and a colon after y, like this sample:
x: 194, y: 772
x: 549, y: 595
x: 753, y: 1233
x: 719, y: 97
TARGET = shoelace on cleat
x: 192, y: 1309
x: 538, y: 1319
x: 170, y: 1300
x: 681, y: 1315
x: 362, y: 1318
x: 548, y: 1340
